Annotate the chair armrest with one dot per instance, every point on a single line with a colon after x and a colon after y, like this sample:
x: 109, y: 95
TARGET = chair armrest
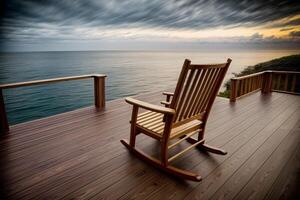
x: 168, y: 93
x: 166, y: 103
x: 150, y: 106
x: 168, y: 96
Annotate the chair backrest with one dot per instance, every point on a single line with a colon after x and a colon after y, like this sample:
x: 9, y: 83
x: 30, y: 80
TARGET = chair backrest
x: 196, y: 90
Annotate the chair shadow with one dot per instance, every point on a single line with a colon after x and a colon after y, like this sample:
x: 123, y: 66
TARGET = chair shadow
x: 152, y: 148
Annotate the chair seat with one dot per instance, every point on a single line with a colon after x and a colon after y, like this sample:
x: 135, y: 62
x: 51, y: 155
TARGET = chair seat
x: 152, y: 124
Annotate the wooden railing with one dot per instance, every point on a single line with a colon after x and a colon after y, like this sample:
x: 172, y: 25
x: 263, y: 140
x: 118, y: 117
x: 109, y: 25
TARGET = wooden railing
x: 99, y: 93
x: 241, y: 86
x: 266, y: 81
x: 285, y: 81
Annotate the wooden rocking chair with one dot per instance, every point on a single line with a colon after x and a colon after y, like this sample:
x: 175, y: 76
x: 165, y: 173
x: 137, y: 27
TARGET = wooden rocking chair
x: 185, y: 114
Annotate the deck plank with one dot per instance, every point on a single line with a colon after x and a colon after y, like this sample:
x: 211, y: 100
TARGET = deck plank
x: 140, y: 170
x: 78, y: 154
x: 235, y: 160
x: 193, y: 158
x: 217, y: 164
x: 286, y: 185
x: 265, y: 176
x: 260, y: 168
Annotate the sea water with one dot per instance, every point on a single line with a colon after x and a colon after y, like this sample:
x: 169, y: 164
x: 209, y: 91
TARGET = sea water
x: 128, y: 73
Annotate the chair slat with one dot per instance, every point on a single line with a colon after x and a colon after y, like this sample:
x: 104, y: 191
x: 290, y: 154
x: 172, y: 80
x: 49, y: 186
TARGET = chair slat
x: 200, y: 93
x: 144, y: 115
x: 147, y: 113
x: 203, y: 104
x: 180, y: 83
x: 151, y: 120
x: 156, y: 125
x: 185, y: 128
x: 197, y: 92
x: 184, y: 93
x: 149, y: 117
x: 189, y: 107
x: 186, y: 105
x: 204, y: 95
x: 159, y: 129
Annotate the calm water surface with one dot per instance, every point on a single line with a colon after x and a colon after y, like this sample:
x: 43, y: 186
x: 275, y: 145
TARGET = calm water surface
x: 129, y: 73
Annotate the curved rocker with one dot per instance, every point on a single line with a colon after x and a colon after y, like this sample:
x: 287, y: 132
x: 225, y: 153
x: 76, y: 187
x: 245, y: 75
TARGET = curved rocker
x: 185, y: 114
x: 156, y: 163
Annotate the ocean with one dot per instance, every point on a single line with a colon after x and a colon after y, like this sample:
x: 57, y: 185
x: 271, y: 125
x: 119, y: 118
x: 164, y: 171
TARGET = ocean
x: 128, y: 73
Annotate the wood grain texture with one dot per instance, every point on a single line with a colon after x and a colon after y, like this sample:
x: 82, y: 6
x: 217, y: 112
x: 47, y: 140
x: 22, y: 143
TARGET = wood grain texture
x: 78, y: 154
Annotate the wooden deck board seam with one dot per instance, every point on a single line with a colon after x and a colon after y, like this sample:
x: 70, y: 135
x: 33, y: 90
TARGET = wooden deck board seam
x: 236, y: 151
x: 271, y: 153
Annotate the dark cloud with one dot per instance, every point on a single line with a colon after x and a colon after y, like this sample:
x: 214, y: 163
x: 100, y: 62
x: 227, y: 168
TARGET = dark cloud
x: 57, y: 19
x: 295, y: 34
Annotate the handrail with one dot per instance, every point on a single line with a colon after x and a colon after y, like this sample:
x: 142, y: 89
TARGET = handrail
x: 285, y: 72
x: 247, y: 76
x: 51, y: 80
x: 99, y: 92
x: 266, y: 81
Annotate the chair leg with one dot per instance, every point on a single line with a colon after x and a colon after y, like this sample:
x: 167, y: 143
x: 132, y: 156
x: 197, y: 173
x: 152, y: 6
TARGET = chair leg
x: 164, y: 153
x: 158, y: 164
x: 133, y: 131
x: 132, y: 136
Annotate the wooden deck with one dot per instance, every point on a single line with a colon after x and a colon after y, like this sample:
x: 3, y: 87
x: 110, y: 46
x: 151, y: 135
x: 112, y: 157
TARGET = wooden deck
x: 78, y: 155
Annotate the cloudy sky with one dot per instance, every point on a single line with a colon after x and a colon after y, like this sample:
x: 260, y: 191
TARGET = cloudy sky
x: 33, y: 25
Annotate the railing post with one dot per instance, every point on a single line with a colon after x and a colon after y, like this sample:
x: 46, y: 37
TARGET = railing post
x: 267, y: 82
x: 233, y: 90
x: 99, y: 91
x: 4, y: 127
